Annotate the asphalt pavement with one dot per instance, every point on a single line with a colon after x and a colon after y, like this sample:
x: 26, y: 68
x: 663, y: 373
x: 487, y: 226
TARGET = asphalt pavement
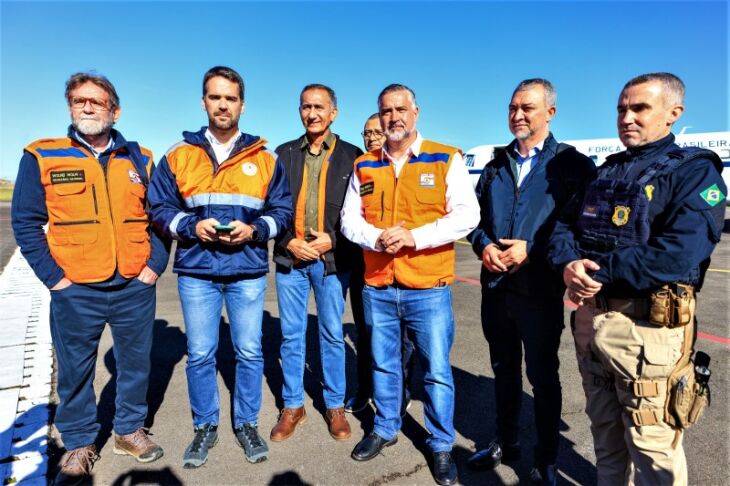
x: 311, y: 456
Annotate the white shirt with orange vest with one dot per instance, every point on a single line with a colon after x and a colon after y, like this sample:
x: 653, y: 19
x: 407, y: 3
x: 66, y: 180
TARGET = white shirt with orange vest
x: 462, y: 208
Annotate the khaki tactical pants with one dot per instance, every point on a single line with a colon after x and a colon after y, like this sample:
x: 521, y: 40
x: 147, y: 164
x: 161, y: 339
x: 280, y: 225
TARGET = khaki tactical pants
x: 624, y: 365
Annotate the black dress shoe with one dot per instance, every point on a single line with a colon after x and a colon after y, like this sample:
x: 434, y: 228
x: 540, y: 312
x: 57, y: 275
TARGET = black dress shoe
x: 545, y: 475
x: 493, y: 456
x: 444, y: 468
x: 371, y: 446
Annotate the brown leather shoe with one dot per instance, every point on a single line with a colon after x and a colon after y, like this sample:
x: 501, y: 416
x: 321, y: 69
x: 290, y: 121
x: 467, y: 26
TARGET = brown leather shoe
x: 77, y: 464
x: 289, y: 420
x: 337, y: 422
x: 138, y: 445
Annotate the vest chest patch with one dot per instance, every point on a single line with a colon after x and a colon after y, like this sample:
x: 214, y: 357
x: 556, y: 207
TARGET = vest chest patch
x: 620, y: 215
x: 134, y: 177
x: 590, y: 211
x: 67, y: 176
x: 249, y: 168
x: 428, y: 179
x: 649, y: 190
x: 367, y: 188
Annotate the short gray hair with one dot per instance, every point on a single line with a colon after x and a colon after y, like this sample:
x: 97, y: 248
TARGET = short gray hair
x: 551, y: 96
x: 77, y: 79
x: 673, y: 87
x: 323, y: 87
x: 397, y: 87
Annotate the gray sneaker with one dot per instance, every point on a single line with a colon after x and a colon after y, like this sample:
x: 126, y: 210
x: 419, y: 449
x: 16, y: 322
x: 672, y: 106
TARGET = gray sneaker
x: 253, y: 445
x: 206, y: 436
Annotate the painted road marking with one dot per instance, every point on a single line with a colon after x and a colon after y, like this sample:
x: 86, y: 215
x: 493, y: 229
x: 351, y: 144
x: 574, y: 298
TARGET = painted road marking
x: 571, y: 305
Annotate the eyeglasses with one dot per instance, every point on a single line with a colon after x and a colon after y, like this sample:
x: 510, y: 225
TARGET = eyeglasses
x: 78, y: 103
x: 373, y: 134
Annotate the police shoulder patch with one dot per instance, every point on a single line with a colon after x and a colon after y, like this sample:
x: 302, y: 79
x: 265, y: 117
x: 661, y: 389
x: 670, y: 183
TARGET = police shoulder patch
x: 712, y: 195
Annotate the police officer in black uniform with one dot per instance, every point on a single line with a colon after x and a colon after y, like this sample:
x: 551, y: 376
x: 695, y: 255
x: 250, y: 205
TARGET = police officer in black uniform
x: 633, y: 251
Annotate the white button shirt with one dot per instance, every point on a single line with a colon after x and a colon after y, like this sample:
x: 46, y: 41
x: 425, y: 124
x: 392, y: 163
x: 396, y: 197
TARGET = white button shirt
x: 222, y: 151
x: 462, y: 208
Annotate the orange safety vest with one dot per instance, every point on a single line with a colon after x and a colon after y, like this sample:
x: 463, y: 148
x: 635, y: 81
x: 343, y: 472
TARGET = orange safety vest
x: 299, y: 228
x: 96, y: 223
x: 417, y: 197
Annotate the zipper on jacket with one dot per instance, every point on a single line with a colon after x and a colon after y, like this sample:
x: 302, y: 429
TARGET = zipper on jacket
x: 96, y: 204
x: 69, y: 223
x: 382, y: 205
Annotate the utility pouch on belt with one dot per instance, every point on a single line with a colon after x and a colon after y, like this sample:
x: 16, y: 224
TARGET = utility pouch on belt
x: 670, y: 305
x: 687, y: 399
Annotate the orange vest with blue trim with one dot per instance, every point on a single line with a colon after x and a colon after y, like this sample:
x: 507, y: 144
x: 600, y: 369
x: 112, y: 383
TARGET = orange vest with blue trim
x: 97, y: 222
x: 242, y: 180
x: 417, y: 197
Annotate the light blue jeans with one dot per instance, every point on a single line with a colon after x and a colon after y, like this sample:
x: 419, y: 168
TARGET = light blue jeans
x: 428, y: 318
x: 202, y: 303
x: 292, y: 290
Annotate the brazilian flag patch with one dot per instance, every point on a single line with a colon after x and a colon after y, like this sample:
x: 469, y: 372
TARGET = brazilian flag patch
x: 712, y: 195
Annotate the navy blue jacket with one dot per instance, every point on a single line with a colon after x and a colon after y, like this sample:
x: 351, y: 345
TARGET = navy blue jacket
x: 528, y: 212
x: 29, y: 214
x: 684, y: 226
x: 177, y: 217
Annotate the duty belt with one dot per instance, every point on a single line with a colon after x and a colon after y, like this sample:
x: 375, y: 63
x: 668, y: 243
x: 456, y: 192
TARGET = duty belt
x: 634, y: 308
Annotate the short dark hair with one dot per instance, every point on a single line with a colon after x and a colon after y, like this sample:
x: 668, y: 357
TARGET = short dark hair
x: 324, y: 87
x: 673, y: 86
x: 77, y: 79
x: 397, y: 87
x: 227, y: 73
x: 551, y: 96
x: 374, y: 116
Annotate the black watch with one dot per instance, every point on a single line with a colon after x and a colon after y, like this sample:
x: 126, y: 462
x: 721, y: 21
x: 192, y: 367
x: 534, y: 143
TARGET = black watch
x: 255, y: 234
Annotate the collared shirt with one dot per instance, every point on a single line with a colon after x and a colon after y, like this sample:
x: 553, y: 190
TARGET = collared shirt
x: 462, y: 208
x: 94, y: 152
x: 221, y: 150
x: 313, y: 165
x: 524, y: 164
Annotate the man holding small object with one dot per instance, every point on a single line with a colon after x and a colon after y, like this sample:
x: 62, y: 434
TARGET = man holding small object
x: 222, y: 195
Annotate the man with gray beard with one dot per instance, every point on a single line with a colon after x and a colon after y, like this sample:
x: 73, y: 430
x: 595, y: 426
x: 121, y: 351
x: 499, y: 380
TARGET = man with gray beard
x: 100, y: 261
x: 521, y: 192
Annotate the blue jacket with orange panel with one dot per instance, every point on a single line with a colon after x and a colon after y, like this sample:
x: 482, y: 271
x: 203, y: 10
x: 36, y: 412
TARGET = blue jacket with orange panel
x: 190, y: 185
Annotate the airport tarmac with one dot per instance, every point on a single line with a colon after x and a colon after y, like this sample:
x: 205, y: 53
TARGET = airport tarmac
x: 311, y: 456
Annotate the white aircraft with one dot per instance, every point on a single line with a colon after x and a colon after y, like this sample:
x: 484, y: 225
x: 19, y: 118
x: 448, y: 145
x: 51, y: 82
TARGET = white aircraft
x: 600, y: 148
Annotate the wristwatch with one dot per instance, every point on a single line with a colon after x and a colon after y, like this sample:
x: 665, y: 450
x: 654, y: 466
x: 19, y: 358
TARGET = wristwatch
x: 255, y: 234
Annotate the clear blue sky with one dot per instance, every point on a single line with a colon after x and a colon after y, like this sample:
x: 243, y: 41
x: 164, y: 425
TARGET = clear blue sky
x: 462, y: 60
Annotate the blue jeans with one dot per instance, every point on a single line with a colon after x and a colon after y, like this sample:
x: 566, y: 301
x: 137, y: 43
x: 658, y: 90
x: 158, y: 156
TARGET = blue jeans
x: 428, y: 318
x: 78, y: 316
x: 292, y: 289
x: 202, y: 303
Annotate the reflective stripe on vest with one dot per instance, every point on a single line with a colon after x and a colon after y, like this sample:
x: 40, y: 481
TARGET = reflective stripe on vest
x: 96, y: 224
x: 416, y: 198
x: 242, y: 180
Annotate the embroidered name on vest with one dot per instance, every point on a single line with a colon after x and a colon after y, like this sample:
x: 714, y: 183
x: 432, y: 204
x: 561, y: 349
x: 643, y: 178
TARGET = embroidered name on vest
x: 367, y: 188
x: 67, y: 176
